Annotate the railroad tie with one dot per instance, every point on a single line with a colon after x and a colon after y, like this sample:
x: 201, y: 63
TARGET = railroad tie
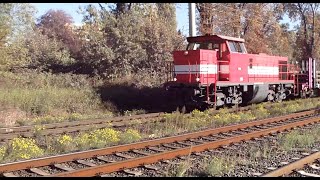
x: 87, y: 163
x: 196, y: 141
x: 271, y: 168
x: 208, y: 139
x: 305, y: 154
x: 156, y: 149
x: 123, y: 156
x: 227, y: 134
x: 141, y: 152
x: 256, y: 174
x: 135, y: 173
x: 169, y: 146
x: 284, y: 163
x: 151, y: 167
x: 186, y: 158
x: 39, y: 172
x: 9, y: 174
x: 105, y: 159
x: 228, y: 147
x: 185, y: 144
x: 63, y: 167
x: 200, y: 154
x: 170, y: 162
x: 313, y: 166
x: 295, y: 158
x: 258, y: 139
x: 308, y: 174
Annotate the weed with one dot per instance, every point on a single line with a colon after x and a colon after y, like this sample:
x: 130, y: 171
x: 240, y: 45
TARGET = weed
x: 134, y: 112
x: 130, y: 136
x: 3, y: 151
x: 64, y: 143
x: 219, y: 166
x: 37, y: 130
x: 182, y: 169
x: 296, y: 139
x: 23, y: 148
x: 98, y: 138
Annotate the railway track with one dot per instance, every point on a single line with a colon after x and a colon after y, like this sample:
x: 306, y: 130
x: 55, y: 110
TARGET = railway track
x: 120, y: 158
x: 308, y: 166
x: 7, y: 134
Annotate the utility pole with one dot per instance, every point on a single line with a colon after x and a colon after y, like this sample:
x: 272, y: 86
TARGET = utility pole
x: 192, y: 19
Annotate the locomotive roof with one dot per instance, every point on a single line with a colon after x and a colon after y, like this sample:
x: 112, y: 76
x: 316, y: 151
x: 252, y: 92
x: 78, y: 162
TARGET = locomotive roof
x: 214, y: 37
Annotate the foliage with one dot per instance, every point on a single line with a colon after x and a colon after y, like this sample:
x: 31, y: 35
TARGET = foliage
x: 259, y: 24
x: 98, y: 138
x: 23, y: 148
x: 3, y: 151
x: 130, y: 136
x: 296, y: 139
x: 64, y: 143
x: 45, y: 52
x: 182, y: 169
x: 219, y: 166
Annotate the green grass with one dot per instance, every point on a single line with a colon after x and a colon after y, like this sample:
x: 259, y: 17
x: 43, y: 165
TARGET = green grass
x: 51, y: 97
x: 299, y: 139
x: 45, y: 100
x: 219, y: 166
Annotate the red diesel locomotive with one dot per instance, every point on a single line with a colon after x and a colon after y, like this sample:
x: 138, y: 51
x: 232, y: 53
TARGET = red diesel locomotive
x: 216, y: 70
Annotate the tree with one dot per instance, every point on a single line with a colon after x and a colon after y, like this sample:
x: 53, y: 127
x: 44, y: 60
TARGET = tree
x: 57, y: 24
x: 5, y: 26
x: 15, y: 25
x: 306, y: 13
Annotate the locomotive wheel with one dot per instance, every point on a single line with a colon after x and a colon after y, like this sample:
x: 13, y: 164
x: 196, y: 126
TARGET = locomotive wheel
x: 278, y: 98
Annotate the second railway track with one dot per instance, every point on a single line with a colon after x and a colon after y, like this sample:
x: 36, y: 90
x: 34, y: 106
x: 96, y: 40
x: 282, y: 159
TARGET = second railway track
x: 117, y: 158
x: 9, y: 133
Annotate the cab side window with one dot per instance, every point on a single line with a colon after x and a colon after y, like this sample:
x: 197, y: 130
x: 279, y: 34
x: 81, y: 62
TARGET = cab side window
x: 232, y: 46
x: 236, y: 47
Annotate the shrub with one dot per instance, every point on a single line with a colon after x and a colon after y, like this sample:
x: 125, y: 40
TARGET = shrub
x: 296, y: 139
x: 3, y: 151
x: 219, y: 166
x: 130, y: 136
x: 260, y: 112
x: 64, y: 143
x: 23, y: 148
x: 98, y: 138
x: 182, y: 169
x: 37, y: 130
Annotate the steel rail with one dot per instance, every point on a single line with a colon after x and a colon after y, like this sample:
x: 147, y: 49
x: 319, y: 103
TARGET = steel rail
x: 287, y: 169
x: 78, y: 123
x: 143, y: 144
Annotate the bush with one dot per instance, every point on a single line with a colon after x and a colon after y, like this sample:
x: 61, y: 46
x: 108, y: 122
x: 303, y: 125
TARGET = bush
x: 64, y: 143
x: 219, y: 166
x: 23, y: 148
x: 45, y: 100
x: 3, y: 151
x: 98, y: 138
x: 130, y: 136
x: 296, y: 139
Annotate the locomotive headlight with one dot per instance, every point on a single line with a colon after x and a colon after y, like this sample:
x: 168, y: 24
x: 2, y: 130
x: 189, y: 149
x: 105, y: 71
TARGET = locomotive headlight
x: 174, y: 79
x: 197, y: 79
x: 185, y: 53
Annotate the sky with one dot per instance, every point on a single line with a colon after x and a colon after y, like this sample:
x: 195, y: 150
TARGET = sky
x: 71, y: 8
